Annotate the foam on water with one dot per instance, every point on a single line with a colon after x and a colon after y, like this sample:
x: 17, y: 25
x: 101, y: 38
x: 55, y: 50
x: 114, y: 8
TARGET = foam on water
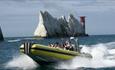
x: 15, y: 40
x: 103, y: 56
x: 22, y: 62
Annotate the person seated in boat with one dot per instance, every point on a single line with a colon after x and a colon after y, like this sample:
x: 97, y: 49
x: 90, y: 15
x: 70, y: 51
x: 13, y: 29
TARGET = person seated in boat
x: 71, y: 48
x: 51, y: 45
x: 56, y: 45
x: 67, y: 45
x: 62, y: 46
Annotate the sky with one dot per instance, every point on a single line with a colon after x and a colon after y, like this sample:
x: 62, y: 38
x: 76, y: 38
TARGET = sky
x: 21, y: 17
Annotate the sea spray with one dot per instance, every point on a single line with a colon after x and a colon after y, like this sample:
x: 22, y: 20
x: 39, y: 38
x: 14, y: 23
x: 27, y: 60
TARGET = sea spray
x: 99, y: 51
x: 85, y: 49
x: 102, y: 57
x: 22, y: 62
x: 110, y: 45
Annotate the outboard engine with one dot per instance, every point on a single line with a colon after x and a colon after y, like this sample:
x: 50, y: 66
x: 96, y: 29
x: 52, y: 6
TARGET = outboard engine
x: 27, y: 47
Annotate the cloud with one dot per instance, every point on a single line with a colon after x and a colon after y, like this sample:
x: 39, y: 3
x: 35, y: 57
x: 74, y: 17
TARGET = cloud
x: 61, y: 6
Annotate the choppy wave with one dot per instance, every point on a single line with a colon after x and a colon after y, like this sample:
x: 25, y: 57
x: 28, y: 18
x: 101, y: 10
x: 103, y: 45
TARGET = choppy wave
x: 103, y: 56
x: 22, y: 62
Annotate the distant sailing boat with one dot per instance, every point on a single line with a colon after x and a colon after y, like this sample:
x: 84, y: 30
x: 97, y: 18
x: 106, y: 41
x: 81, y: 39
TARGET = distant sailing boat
x: 1, y: 35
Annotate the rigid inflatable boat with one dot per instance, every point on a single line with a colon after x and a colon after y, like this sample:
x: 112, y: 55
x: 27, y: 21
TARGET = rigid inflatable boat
x: 45, y: 54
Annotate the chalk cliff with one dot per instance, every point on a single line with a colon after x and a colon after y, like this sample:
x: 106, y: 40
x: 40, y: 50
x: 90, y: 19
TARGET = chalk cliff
x: 52, y: 27
x: 74, y: 25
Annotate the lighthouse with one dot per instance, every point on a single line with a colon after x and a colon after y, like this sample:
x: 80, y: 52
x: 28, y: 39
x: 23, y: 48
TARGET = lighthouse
x: 82, y: 21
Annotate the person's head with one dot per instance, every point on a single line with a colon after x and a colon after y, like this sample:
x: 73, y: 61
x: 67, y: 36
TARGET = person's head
x: 71, y: 38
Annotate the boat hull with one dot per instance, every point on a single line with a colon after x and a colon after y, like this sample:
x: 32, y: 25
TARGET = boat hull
x: 44, y: 54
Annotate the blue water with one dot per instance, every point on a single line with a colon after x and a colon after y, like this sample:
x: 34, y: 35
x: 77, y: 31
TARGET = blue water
x: 101, y: 47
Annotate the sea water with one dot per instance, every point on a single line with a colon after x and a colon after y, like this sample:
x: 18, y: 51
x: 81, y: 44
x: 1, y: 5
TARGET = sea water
x: 101, y: 47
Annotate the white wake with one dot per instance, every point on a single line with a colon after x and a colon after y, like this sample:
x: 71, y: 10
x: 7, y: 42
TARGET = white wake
x: 22, y: 62
x: 15, y: 40
x: 103, y: 56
